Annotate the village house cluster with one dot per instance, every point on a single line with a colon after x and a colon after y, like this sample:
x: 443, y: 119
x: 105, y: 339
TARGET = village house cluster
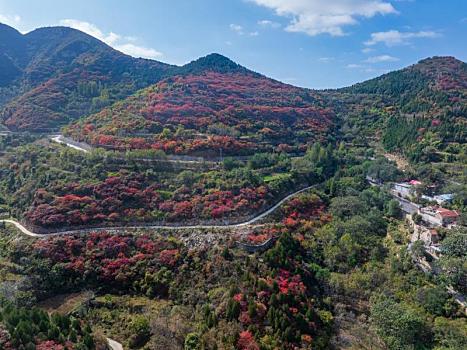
x: 430, y: 217
x: 427, y: 209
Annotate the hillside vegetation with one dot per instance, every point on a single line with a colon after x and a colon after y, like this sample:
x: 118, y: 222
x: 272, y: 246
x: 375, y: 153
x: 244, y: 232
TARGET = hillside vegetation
x: 334, y: 264
x: 216, y: 105
x: 51, y: 76
x: 419, y: 111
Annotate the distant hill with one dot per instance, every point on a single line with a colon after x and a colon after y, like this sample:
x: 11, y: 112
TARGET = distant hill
x: 419, y: 110
x: 428, y: 86
x: 211, y: 104
x: 52, y: 76
x: 214, y: 62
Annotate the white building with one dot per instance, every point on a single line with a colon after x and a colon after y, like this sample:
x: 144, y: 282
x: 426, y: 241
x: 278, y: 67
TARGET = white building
x: 440, y: 199
x: 438, y: 216
x: 406, y: 189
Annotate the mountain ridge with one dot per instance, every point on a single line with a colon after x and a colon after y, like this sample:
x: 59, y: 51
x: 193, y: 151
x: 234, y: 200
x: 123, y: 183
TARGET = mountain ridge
x: 433, y: 67
x: 210, y: 104
x: 48, y: 67
x: 67, y: 75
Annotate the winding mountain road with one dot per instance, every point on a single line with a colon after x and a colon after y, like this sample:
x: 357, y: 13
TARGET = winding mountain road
x: 252, y: 221
x: 86, y: 148
x: 70, y: 143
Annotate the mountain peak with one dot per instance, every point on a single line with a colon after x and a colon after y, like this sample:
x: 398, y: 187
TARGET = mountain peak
x: 6, y: 28
x: 8, y: 34
x: 440, y: 59
x: 12, y: 53
x: 213, y: 62
x: 60, y: 34
x: 444, y: 71
x: 441, y: 62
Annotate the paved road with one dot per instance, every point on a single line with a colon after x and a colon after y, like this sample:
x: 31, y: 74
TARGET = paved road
x: 70, y: 143
x: 166, y: 227
x: 22, y: 228
x: 406, y: 205
x: 84, y: 147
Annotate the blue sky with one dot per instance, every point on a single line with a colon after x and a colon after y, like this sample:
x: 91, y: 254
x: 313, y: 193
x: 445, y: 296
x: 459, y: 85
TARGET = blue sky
x: 311, y: 43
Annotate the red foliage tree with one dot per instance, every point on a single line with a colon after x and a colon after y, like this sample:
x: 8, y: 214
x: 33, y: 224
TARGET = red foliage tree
x: 246, y: 341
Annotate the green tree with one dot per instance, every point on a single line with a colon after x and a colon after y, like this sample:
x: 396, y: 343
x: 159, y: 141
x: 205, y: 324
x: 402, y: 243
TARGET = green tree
x: 455, y: 243
x: 418, y: 249
x: 345, y: 207
x: 393, y: 209
x: 398, y: 325
x: 450, y: 334
x: 141, y: 331
x: 433, y: 299
x: 192, y: 342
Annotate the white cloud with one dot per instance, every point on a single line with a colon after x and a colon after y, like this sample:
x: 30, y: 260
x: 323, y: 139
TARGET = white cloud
x: 367, y: 50
x: 124, y: 44
x: 138, y: 51
x: 237, y: 28
x: 91, y: 29
x: 394, y: 37
x: 382, y: 58
x: 131, y: 38
x: 268, y: 23
x: 326, y: 59
x: 354, y: 66
x: 315, y: 17
x: 240, y: 30
x: 11, y: 20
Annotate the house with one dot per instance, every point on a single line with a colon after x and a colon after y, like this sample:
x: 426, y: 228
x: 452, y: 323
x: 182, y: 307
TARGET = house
x: 440, y: 199
x: 444, y: 198
x: 405, y: 189
x: 438, y: 216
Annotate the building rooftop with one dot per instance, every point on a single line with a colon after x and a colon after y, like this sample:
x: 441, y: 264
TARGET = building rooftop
x: 415, y: 182
x: 447, y: 213
x: 444, y: 197
x: 443, y: 212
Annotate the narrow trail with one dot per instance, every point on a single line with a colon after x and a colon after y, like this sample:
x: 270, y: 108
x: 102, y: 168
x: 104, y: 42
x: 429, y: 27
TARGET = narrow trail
x: 250, y: 222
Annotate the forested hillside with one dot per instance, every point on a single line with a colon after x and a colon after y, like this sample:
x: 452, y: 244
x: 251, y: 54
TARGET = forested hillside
x: 213, y: 104
x: 215, y: 208
x: 51, y: 76
x: 419, y: 111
